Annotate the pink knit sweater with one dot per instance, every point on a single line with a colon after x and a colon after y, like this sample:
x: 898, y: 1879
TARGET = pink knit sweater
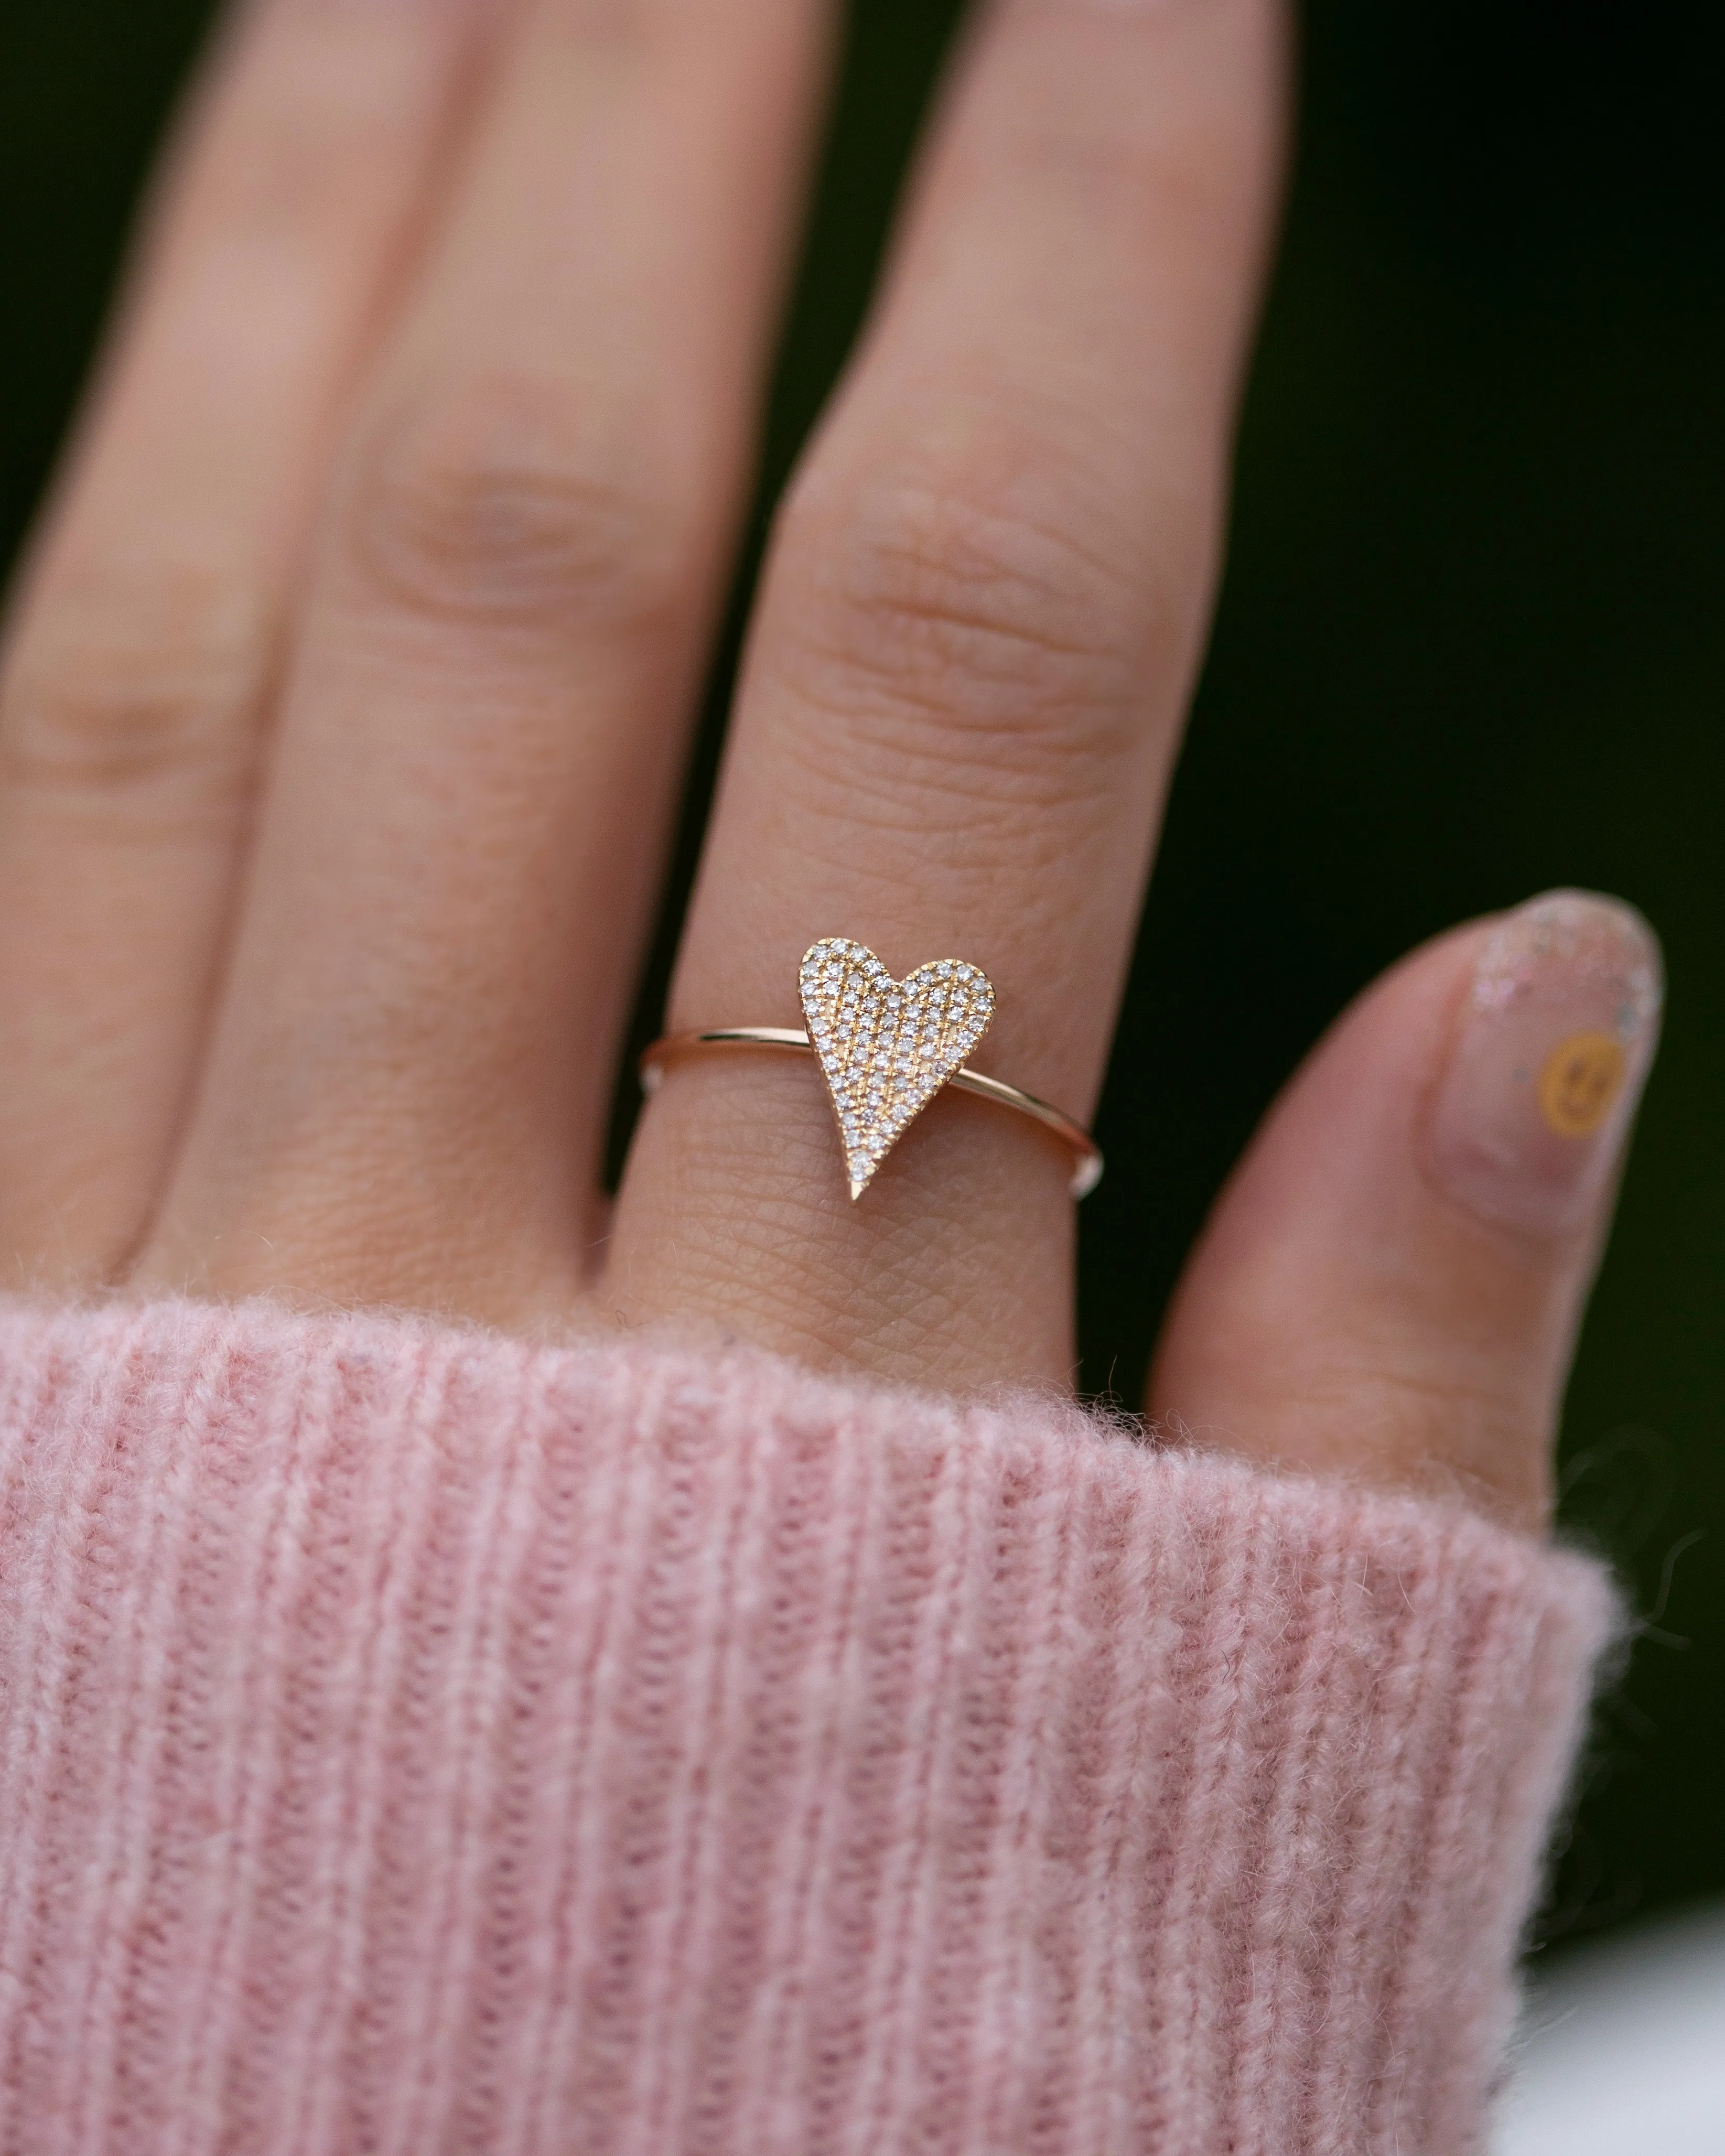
x: 416, y: 1741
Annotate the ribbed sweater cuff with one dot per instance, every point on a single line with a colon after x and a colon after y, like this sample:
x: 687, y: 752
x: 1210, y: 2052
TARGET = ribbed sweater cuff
x: 419, y: 1741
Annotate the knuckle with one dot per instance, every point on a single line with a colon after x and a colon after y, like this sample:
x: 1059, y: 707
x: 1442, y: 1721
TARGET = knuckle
x: 948, y: 620
x: 138, y: 689
x: 501, y: 503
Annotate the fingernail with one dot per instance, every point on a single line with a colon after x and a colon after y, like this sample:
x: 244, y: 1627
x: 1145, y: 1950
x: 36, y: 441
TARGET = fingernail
x: 1552, y: 1051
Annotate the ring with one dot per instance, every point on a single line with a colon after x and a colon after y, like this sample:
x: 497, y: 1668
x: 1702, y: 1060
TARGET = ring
x: 885, y: 1048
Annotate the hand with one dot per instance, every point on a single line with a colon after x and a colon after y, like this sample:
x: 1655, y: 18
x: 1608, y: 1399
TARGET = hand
x: 348, y: 684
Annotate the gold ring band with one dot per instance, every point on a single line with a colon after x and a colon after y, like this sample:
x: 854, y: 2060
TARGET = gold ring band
x: 1087, y: 1158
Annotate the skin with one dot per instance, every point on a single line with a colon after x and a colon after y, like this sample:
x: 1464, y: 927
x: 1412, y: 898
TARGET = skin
x: 347, y: 690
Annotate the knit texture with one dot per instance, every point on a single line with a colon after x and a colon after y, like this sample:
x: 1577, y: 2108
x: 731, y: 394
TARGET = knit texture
x: 417, y: 1741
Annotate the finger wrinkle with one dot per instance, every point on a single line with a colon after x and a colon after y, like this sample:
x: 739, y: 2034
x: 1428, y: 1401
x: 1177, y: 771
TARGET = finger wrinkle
x: 955, y: 845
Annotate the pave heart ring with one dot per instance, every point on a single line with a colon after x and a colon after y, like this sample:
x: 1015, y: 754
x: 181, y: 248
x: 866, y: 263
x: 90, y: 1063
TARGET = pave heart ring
x: 885, y: 1048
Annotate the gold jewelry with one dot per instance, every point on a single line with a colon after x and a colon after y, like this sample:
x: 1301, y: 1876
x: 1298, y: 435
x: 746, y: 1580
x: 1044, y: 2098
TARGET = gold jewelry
x: 885, y: 1048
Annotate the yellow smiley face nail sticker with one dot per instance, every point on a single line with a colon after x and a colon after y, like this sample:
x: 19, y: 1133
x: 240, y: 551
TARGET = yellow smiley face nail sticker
x: 1583, y: 1076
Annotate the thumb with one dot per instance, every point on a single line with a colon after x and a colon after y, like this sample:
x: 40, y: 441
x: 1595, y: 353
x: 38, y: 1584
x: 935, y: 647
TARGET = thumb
x: 1390, y: 1286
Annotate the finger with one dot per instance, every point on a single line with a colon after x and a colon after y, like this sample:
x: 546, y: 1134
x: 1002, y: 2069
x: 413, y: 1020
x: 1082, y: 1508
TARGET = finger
x: 980, y: 624
x: 148, y: 626
x: 1391, y: 1284
x: 482, y: 732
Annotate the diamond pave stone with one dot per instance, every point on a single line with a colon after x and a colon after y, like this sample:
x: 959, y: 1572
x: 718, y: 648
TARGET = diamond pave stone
x: 886, y: 1047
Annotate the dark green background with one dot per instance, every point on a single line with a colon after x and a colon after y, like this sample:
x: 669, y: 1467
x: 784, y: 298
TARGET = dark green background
x: 1471, y: 644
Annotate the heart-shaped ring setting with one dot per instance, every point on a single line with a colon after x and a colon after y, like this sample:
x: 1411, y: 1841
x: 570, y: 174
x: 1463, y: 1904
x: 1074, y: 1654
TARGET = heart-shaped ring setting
x: 886, y: 1047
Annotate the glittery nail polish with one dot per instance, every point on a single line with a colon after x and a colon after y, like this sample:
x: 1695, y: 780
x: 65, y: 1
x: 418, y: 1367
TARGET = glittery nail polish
x: 1550, y: 1049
